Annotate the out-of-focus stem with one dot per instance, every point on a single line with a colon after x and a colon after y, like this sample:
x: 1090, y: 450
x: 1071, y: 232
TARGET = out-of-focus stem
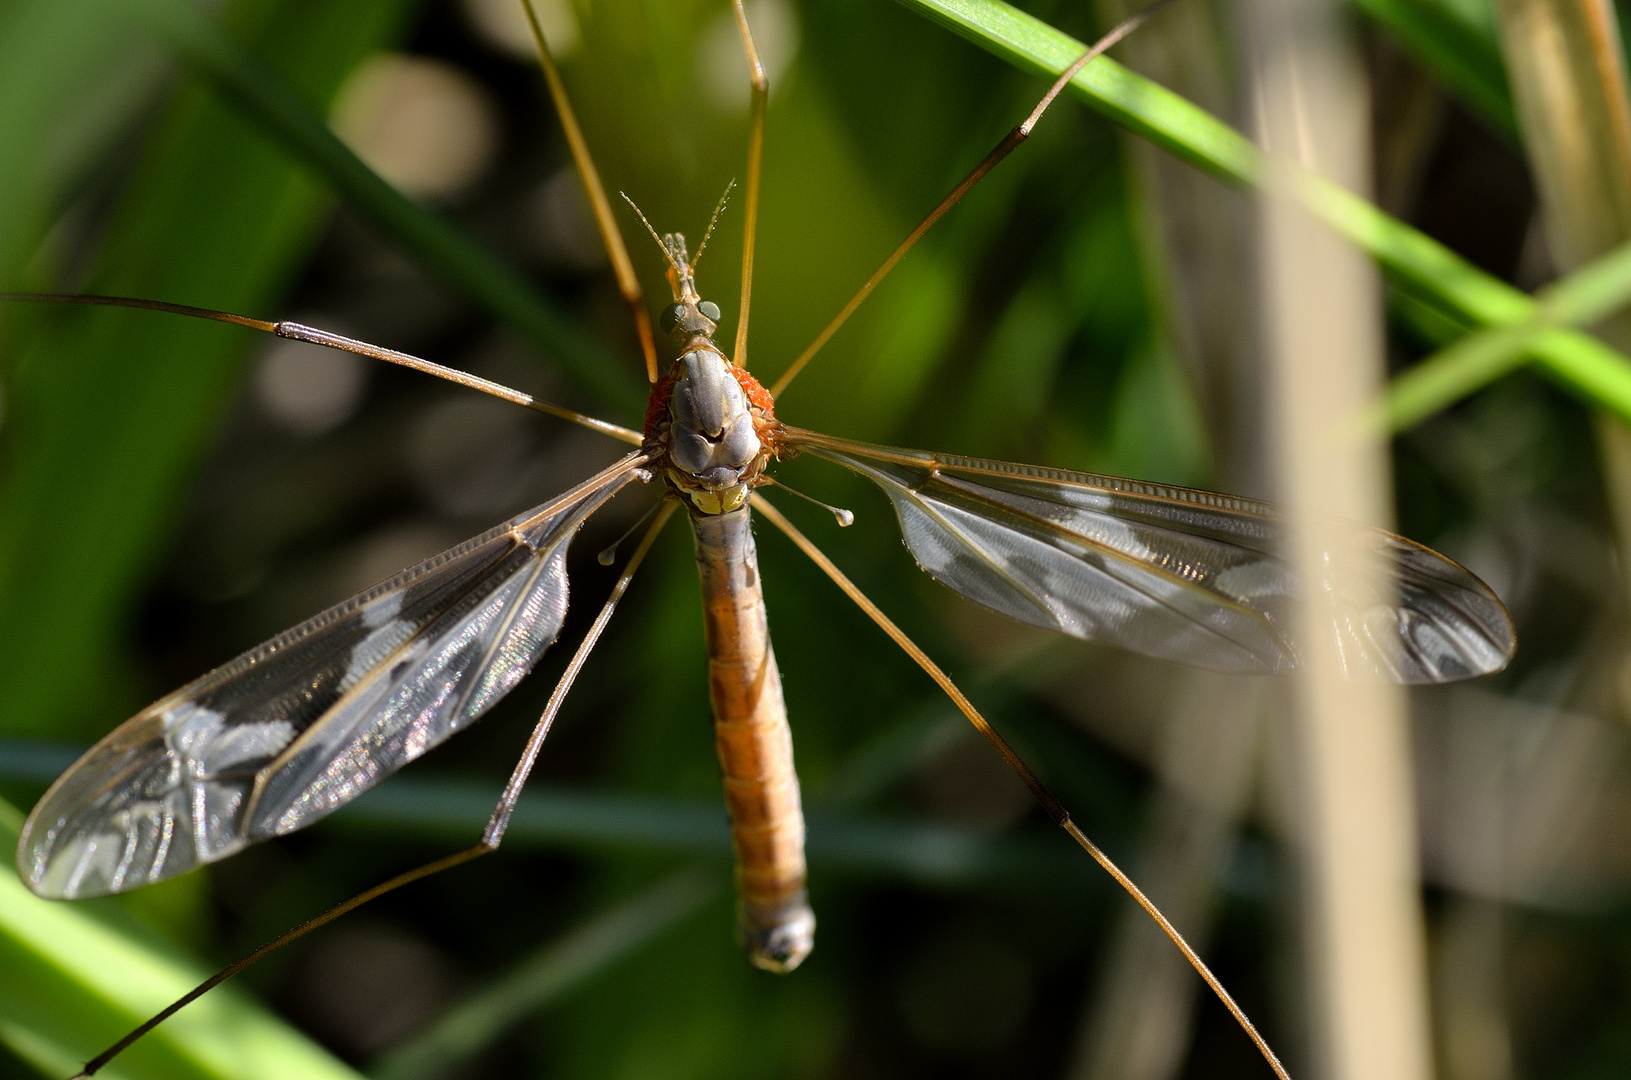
x: 1568, y: 78
x: 1366, y: 977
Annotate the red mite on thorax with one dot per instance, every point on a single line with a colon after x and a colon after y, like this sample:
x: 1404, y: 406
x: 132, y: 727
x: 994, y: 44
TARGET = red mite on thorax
x: 758, y: 397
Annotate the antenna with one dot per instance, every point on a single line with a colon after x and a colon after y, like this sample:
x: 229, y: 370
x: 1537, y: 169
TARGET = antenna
x: 719, y: 209
x: 668, y: 255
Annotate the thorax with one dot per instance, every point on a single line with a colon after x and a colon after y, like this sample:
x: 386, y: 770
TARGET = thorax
x: 710, y: 428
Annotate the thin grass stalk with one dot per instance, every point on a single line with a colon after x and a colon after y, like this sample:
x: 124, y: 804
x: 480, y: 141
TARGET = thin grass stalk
x: 1569, y: 81
x: 1568, y: 76
x: 1592, y: 294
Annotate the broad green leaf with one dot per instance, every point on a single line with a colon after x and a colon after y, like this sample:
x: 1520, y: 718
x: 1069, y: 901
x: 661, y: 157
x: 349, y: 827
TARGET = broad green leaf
x: 107, y: 411
x: 78, y: 977
x: 50, y: 52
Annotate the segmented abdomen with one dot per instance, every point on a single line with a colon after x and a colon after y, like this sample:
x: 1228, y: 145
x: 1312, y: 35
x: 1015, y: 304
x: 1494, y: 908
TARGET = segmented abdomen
x: 755, y: 745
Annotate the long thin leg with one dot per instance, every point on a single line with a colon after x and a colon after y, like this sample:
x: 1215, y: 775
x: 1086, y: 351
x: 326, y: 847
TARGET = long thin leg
x: 500, y: 820
x: 490, y: 837
x: 1010, y: 142
x: 627, y: 282
x: 756, y: 153
x: 298, y: 332
x: 1042, y: 795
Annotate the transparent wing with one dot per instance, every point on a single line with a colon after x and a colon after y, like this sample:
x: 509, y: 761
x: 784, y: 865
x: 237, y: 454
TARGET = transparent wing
x: 309, y: 720
x: 1173, y: 572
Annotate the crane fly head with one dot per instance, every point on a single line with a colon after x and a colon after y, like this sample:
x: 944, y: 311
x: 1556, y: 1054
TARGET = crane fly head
x: 709, y: 419
x: 690, y: 316
x: 709, y: 422
x: 690, y: 320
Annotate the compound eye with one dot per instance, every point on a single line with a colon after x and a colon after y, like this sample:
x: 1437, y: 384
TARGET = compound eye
x: 710, y: 309
x: 670, y: 317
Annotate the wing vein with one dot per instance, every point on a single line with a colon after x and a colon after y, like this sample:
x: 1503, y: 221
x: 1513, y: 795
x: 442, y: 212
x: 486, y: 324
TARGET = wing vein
x: 923, y: 501
x: 884, y: 480
x: 306, y: 721
x: 1171, y: 572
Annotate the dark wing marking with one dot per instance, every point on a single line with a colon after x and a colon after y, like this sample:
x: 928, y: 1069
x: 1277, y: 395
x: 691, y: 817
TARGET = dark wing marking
x: 294, y: 728
x: 1173, y: 572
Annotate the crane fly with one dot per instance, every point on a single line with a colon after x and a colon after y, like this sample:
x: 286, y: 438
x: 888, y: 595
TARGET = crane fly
x: 302, y: 724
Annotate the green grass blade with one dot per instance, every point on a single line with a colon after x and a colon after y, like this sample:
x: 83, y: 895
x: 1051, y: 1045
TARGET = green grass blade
x: 1584, y: 297
x: 550, y: 974
x: 441, y: 247
x: 77, y: 981
x: 1576, y: 361
x: 1592, y: 292
x: 1132, y: 101
x: 1448, y: 376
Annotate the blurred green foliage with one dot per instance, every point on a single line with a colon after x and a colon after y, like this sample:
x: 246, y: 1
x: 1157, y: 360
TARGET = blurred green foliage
x: 156, y: 520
